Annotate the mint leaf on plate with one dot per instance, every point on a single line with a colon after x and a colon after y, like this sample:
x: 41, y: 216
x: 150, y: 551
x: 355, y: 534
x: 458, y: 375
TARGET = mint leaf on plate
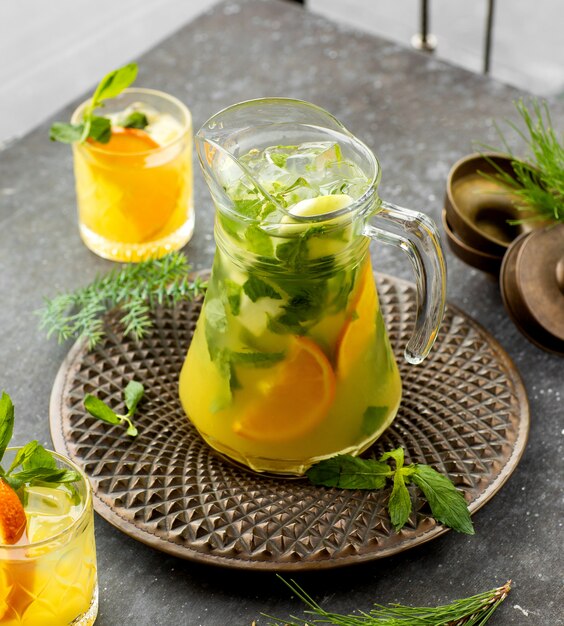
x: 350, y: 472
x: 448, y: 506
x: 132, y: 395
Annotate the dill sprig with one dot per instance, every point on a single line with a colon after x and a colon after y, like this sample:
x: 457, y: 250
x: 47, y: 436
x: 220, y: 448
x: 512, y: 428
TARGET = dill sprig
x: 135, y: 289
x: 473, y: 611
x: 538, y: 179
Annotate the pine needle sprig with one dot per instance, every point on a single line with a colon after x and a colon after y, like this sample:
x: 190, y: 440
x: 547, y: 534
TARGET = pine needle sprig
x: 134, y: 289
x: 538, y: 179
x: 472, y: 611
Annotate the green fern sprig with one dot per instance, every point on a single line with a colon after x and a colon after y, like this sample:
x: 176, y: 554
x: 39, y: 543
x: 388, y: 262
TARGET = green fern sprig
x: 134, y: 289
x: 472, y: 611
x: 537, y: 180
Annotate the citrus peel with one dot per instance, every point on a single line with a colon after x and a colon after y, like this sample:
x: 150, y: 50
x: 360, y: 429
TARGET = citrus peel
x: 12, y: 515
x: 127, y: 141
x: 359, y: 328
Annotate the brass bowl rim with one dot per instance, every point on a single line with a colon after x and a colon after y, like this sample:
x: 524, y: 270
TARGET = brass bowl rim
x: 473, y: 235
x: 479, y: 259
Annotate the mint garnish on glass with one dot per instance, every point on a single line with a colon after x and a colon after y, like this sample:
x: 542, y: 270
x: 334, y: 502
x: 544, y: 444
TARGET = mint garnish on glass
x: 447, y: 504
x: 32, y: 463
x: 97, y: 127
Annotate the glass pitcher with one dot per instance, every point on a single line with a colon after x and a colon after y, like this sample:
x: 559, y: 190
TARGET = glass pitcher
x: 290, y: 362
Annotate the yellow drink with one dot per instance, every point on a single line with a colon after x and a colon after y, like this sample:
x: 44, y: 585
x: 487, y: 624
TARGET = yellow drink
x: 49, y: 577
x: 135, y: 193
x: 289, y: 430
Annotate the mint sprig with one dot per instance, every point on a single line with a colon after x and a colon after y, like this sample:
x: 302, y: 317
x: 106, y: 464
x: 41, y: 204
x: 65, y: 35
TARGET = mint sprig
x: 99, y: 409
x: 32, y: 462
x: 92, y: 126
x: 447, y: 504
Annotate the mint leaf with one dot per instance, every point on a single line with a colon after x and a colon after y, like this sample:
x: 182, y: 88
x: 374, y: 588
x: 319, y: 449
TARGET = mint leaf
x: 248, y: 207
x: 42, y: 474
x: 66, y: 133
x: 95, y: 127
x: 293, y: 253
x: 279, y: 159
x: 216, y: 315
x: 372, y: 419
x: 39, y: 457
x: 448, y: 506
x: 399, y: 506
x: 258, y: 241
x: 114, y: 83
x: 100, y: 129
x: 350, y: 472
x: 37, y: 463
x: 233, y: 291
x: 397, y: 455
x: 306, y: 304
x: 258, y: 359
x: 23, y: 454
x: 256, y: 288
x: 100, y: 410
x: 6, y: 422
x: 133, y: 394
x: 135, y: 120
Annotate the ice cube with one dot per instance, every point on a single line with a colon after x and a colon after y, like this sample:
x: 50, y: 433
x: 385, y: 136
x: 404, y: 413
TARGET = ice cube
x: 49, y: 510
x: 40, y: 527
x: 278, y: 155
x: 300, y: 190
x: 330, y: 155
x: 46, y: 501
x: 304, y: 159
x: 164, y: 128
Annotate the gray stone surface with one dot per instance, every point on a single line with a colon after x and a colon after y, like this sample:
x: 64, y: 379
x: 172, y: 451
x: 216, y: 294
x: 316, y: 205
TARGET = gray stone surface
x: 419, y: 115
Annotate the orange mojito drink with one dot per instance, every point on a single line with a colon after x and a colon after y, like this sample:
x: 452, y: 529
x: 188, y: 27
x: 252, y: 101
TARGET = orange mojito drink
x: 47, y: 552
x: 134, y: 193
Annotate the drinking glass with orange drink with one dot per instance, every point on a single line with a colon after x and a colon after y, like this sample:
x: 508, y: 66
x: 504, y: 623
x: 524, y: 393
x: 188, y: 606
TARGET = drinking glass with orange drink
x: 134, y: 193
x: 47, y: 550
x: 133, y: 169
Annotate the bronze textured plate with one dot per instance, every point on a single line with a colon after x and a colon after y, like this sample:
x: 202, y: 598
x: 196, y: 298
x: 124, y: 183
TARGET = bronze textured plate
x: 464, y: 410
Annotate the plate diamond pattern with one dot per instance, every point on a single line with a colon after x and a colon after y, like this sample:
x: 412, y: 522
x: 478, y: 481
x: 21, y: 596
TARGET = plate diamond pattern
x: 464, y: 410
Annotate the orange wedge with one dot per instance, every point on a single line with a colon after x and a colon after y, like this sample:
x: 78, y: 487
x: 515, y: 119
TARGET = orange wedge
x: 12, y: 515
x: 128, y: 141
x: 16, y: 577
x: 293, y: 398
x: 359, y: 328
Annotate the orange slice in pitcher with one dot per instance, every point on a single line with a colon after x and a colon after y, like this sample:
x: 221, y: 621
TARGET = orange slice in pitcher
x: 293, y: 397
x: 12, y: 515
x: 358, y: 330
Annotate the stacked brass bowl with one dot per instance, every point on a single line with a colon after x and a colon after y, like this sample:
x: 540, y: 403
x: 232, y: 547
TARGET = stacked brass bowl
x: 528, y: 256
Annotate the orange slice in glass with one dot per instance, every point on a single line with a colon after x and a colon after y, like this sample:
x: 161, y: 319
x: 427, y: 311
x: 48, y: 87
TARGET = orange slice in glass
x: 294, y: 396
x: 128, y: 141
x: 358, y: 330
x: 12, y: 515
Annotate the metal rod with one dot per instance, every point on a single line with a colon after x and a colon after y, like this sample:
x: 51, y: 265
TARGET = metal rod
x: 424, y: 21
x: 488, y: 39
x: 423, y: 40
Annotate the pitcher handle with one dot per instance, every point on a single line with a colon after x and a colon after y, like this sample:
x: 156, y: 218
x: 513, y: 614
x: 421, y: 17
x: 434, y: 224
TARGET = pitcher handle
x: 417, y: 235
